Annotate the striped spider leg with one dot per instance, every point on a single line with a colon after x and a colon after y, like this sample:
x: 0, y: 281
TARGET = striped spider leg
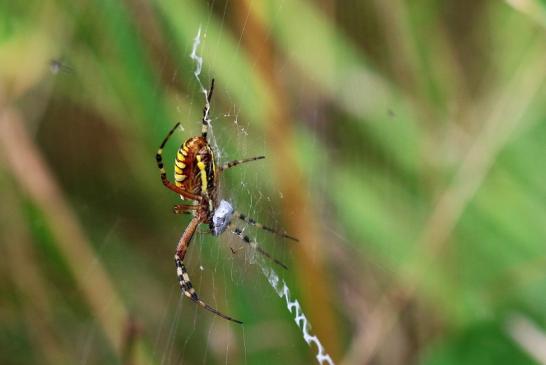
x: 183, y: 277
x: 223, y: 218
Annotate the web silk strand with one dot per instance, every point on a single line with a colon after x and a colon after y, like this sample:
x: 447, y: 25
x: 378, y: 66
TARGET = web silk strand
x: 197, y: 58
x: 294, y: 307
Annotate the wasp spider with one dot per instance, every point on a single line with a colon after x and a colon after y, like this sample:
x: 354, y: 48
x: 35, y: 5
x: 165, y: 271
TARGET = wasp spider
x: 196, y: 176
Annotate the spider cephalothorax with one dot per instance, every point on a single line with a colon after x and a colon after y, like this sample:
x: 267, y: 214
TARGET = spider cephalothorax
x: 196, y: 177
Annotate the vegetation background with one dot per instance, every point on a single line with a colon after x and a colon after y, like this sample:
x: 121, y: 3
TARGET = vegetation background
x: 405, y: 144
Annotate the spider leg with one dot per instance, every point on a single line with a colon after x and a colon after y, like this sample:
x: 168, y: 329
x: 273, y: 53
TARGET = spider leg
x: 251, y: 243
x: 189, y: 209
x: 164, y: 180
x: 182, y: 273
x: 230, y: 164
x: 206, y: 109
x: 184, y: 209
x: 251, y: 221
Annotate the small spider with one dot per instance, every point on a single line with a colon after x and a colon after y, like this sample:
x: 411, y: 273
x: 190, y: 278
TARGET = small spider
x: 196, y: 178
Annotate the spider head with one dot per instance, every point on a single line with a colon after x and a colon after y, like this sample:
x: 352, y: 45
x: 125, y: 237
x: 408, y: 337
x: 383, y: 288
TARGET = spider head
x: 221, y: 218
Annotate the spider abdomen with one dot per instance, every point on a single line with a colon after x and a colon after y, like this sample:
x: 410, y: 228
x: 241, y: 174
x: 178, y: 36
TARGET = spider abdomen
x: 194, y: 169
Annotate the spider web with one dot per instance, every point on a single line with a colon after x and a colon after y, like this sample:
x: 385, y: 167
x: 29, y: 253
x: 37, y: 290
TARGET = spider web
x: 177, y: 338
x: 236, y: 273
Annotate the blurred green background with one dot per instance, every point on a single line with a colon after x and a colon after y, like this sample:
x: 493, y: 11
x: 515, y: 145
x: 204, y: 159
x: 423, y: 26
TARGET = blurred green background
x: 406, y: 148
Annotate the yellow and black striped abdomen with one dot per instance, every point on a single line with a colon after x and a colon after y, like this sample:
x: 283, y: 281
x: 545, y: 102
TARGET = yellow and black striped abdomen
x: 194, y: 168
x: 181, y: 169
